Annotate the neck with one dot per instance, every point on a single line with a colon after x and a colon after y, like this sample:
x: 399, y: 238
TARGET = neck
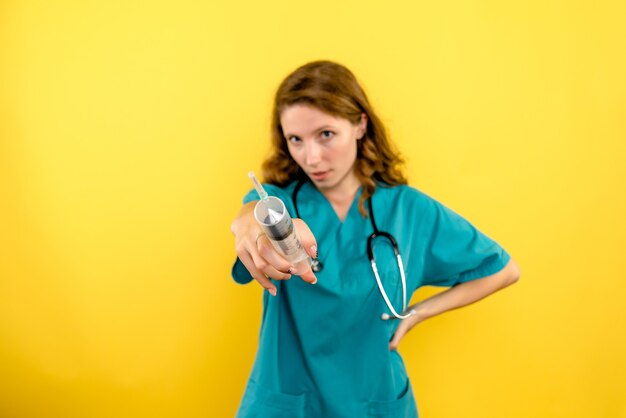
x: 341, y: 197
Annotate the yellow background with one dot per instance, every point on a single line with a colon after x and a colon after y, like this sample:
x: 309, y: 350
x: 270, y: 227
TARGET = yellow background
x: 127, y: 129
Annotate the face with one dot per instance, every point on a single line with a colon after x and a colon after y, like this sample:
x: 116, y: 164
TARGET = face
x: 324, y: 146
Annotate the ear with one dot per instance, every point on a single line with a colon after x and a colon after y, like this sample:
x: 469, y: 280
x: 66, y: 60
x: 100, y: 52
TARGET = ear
x: 362, y: 126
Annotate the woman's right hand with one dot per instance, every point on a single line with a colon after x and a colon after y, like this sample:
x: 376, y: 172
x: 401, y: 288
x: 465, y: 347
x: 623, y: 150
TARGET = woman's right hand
x: 258, y: 254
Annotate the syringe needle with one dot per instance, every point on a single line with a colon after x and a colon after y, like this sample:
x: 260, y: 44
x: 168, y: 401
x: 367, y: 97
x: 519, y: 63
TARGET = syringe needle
x: 259, y: 188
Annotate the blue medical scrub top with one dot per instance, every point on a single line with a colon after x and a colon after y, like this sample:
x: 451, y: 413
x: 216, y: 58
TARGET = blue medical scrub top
x: 323, y: 349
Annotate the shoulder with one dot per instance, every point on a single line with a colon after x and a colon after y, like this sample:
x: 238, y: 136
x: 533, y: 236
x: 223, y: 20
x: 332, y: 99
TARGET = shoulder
x: 282, y: 192
x: 410, y: 203
x: 404, y: 195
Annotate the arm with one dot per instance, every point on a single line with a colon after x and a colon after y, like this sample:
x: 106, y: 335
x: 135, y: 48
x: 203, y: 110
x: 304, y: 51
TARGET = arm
x: 455, y: 297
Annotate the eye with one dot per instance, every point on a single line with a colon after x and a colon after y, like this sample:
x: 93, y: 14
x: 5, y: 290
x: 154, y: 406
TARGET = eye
x: 327, y: 134
x: 294, y: 139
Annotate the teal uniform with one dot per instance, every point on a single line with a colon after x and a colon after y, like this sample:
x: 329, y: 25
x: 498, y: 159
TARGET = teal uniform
x: 323, y: 349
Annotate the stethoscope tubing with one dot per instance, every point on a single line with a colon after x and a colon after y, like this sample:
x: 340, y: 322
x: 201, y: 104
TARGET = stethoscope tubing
x: 370, y: 255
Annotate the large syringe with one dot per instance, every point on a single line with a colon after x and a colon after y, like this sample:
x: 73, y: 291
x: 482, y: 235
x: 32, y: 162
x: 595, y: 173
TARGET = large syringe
x: 271, y: 214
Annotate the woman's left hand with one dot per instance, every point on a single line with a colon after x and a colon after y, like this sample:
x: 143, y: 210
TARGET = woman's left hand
x: 459, y: 295
x: 405, y: 326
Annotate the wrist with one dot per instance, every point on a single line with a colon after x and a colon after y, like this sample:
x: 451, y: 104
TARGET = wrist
x: 420, y: 312
x: 245, y: 221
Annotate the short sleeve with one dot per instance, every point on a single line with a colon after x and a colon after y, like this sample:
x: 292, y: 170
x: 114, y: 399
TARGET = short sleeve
x: 239, y: 272
x: 457, y: 252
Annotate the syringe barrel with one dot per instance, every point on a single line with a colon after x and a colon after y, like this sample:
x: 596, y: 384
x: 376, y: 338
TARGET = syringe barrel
x: 273, y: 217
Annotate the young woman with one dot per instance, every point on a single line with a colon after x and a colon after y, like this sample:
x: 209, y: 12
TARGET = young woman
x: 328, y: 342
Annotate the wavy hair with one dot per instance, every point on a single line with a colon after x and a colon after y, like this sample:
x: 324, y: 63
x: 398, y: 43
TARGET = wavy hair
x: 333, y: 89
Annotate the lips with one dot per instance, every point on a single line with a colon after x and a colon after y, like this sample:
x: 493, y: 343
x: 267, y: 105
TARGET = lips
x: 319, y: 175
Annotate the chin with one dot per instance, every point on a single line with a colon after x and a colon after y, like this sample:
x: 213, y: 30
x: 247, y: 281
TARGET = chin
x: 323, y: 184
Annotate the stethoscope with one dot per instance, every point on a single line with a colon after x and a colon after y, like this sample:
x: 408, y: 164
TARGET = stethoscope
x: 317, y: 265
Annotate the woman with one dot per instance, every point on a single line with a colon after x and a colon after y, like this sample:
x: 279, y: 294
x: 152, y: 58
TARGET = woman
x: 324, y: 349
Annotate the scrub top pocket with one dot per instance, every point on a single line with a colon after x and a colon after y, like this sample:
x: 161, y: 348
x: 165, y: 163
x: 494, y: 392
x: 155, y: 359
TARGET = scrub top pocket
x: 404, y: 407
x: 261, y: 402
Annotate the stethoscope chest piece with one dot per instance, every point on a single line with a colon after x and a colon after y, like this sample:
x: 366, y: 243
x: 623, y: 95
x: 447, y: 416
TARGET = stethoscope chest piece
x: 316, y: 265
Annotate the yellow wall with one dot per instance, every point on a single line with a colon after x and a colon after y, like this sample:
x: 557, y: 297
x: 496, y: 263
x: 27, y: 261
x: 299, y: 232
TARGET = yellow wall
x: 127, y: 129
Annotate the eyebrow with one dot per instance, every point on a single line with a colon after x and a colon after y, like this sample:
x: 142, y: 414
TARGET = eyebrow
x: 321, y: 128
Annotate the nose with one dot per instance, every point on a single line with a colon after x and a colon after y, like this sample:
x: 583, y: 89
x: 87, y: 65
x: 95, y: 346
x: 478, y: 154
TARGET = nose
x: 313, y: 154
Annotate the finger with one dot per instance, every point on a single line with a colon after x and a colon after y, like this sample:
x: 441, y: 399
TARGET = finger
x: 399, y: 334
x: 308, y: 276
x: 266, y: 268
x: 282, y: 267
x: 306, y: 237
x: 308, y: 241
x: 247, y: 261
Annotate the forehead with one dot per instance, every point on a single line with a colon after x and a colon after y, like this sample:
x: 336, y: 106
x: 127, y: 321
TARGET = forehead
x: 302, y: 117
